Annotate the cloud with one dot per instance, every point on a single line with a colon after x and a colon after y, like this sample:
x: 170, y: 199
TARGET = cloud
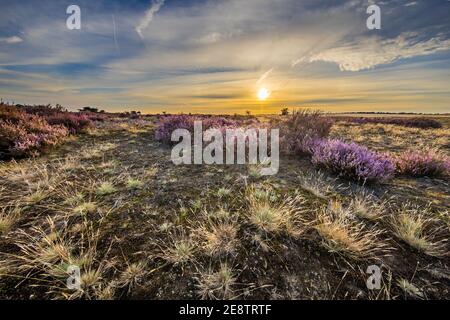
x: 369, y: 53
x: 264, y: 76
x: 143, y: 24
x: 11, y: 40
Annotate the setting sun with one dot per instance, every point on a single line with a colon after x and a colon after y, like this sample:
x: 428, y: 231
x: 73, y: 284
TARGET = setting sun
x: 263, y: 94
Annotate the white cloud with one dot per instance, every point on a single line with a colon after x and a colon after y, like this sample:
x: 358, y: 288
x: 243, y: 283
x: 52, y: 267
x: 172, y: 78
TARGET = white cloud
x: 369, y: 53
x: 264, y: 76
x: 10, y: 40
x: 143, y: 24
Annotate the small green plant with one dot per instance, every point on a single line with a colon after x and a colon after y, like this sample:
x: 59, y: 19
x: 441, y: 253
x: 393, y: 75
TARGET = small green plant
x: 86, y: 208
x: 134, y: 184
x: 106, y: 188
x: 223, y: 192
x: 180, y: 252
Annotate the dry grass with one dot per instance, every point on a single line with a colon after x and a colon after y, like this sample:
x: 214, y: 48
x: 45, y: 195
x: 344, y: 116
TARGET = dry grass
x: 179, y: 252
x: 345, y: 236
x: 364, y: 208
x: 268, y: 216
x: 413, y: 228
x: 219, y: 285
x: 7, y: 219
x: 218, y: 237
x: 46, y: 252
x: 86, y: 208
x: 132, y: 275
x: 410, y: 289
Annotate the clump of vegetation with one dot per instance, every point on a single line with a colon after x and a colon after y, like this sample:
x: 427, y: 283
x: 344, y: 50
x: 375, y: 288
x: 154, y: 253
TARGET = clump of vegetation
x: 217, y: 285
x: 412, y: 227
x: 86, y: 208
x: 419, y: 163
x: 132, y: 275
x: 180, y: 251
x: 23, y: 134
x: 268, y: 216
x: 106, y: 188
x: 345, y: 236
x: 301, y: 129
x: 218, y: 237
x: 352, y: 161
x: 422, y: 123
x: 364, y: 208
x: 7, y: 220
x: 134, y: 184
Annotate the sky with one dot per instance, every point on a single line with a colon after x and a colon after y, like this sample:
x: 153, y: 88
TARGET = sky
x: 214, y: 56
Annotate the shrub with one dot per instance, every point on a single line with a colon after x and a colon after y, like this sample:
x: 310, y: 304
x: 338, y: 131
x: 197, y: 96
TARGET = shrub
x: 423, y: 123
x: 352, y: 161
x: 419, y: 163
x: 169, y: 124
x: 23, y: 134
x: 302, y: 129
x: 74, y: 122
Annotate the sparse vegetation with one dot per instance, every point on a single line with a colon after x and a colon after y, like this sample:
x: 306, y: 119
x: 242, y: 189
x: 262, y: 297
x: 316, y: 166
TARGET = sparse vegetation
x: 138, y: 226
x: 413, y: 228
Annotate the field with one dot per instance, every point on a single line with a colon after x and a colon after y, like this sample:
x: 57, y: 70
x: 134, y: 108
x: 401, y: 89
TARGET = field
x: 110, y: 201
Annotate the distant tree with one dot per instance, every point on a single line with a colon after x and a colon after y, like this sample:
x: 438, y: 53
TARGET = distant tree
x: 89, y: 109
x: 248, y: 112
x: 285, y: 112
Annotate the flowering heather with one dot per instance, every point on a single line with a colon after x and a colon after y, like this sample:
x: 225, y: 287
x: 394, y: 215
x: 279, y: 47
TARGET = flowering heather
x: 299, y: 132
x: 419, y: 163
x: 74, y: 122
x: 352, y: 161
x: 170, y: 123
x: 27, y: 134
x: 423, y: 123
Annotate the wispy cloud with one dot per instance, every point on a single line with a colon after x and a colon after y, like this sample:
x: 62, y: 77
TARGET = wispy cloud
x: 143, y: 24
x: 264, y: 76
x: 369, y: 53
x: 11, y: 40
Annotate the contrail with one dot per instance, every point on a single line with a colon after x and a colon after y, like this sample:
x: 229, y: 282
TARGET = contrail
x: 115, y: 34
x: 156, y: 5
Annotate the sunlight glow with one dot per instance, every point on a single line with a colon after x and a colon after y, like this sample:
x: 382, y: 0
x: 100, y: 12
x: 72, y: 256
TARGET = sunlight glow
x: 263, y: 94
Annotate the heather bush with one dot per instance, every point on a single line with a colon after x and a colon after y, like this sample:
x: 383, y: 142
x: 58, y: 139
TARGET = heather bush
x: 418, y: 122
x: 420, y: 163
x: 168, y: 124
x: 74, y: 122
x: 302, y: 128
x: 352, y: 161
x: 24, y: 134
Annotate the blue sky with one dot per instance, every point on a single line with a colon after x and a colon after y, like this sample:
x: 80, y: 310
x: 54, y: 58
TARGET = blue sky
x: 214, y: 56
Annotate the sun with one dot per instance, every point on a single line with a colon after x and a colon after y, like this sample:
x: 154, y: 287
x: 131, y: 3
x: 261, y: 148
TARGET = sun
x: 263, y: 94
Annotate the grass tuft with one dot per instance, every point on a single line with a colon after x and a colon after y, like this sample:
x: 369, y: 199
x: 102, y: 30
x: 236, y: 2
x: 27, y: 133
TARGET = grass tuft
x: 411, y: 228
x: 106, y: 188
x: 217, y: 285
